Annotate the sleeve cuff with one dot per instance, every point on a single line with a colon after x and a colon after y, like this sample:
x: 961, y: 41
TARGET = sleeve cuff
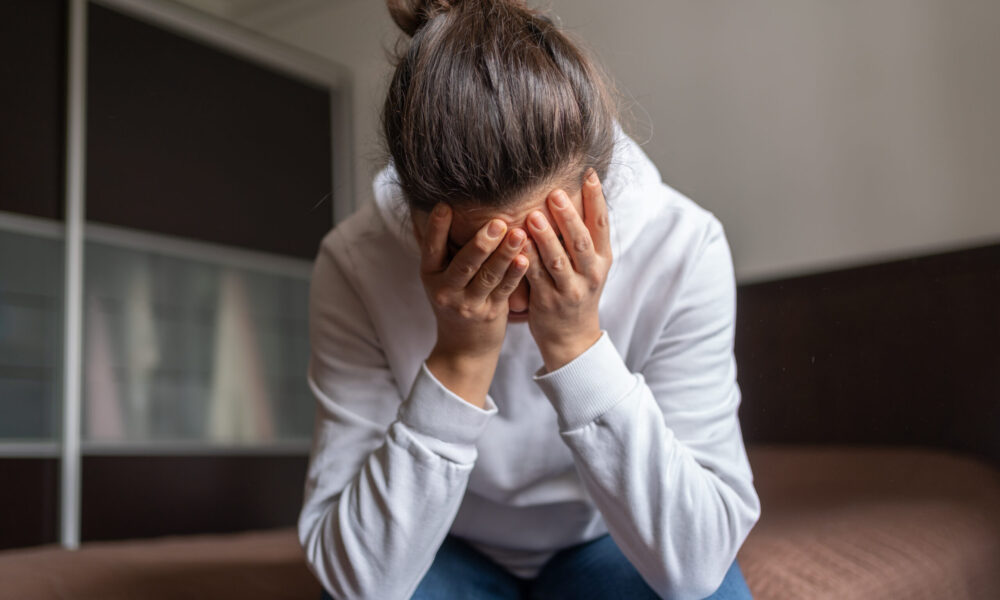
x: 588, y: 386
x: 435, y: 411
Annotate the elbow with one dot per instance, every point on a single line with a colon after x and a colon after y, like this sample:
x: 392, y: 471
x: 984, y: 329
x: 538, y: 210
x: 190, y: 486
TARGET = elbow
x: 311, y: 543
x: 742, y: 514
x: 308, y: 529
x: 338, y: 560
x: 322, y: 560
x: 704, y: 571
x: 695, y: 581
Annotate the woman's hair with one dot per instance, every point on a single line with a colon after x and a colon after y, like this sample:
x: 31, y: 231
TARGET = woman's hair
x: 490, y: 101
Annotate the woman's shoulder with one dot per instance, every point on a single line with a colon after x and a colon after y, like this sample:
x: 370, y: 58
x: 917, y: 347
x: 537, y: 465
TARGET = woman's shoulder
x: 367, y: 235
x: 649, y: 217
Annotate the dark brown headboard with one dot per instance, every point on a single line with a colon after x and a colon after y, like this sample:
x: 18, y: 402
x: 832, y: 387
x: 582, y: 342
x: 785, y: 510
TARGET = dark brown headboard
x: 904, y: 352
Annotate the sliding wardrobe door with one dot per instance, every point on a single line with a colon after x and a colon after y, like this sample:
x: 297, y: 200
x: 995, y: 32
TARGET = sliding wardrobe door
x: 213, y: 162
x: 209, y: 183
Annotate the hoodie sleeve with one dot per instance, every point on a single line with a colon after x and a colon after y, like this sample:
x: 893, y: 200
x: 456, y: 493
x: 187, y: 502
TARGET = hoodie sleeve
x: 660, y: 450
x: 386, y: 475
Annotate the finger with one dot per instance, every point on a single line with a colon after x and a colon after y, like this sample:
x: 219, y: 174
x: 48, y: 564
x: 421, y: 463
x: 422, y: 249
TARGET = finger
x: 537, y: 275
x: 553, y: 255
x: 595, y: 214
x: 516, y: 271
x: 434, y: 241
x: 471, y: 257
x: 576, y: 236
x: 496, y: 266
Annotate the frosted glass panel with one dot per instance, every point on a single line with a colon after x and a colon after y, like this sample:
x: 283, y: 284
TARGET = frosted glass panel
x: 176, y: 349
x: 31, y: 305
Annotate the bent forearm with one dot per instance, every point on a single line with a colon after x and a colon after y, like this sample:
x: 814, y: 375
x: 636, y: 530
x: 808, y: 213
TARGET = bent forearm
x: 367, y: 523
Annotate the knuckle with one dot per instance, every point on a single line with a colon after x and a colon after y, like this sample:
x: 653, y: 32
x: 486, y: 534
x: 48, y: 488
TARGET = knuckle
x: 557, y: 264
x: 581, y: 244
x: 467, y: 269
x: 441, y: 298
x: 488, y: 278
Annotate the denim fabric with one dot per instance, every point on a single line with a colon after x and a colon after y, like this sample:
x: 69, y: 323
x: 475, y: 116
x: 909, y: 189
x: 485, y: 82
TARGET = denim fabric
x: 596, y: 570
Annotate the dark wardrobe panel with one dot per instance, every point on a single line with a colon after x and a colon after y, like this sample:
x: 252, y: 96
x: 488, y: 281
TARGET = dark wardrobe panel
x: 32, y: 106
x: 29, y: 503
x: 144, y: 496
x: 904, y: 352
x: 188, y: 140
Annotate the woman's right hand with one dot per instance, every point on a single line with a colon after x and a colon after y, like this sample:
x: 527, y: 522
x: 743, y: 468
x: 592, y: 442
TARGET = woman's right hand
x: 469, y: 294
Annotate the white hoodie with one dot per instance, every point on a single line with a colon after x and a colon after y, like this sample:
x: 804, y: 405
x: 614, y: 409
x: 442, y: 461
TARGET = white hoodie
x: 638, y: 436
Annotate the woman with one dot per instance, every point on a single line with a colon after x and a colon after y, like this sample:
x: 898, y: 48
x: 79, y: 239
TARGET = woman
x: 522, y: 352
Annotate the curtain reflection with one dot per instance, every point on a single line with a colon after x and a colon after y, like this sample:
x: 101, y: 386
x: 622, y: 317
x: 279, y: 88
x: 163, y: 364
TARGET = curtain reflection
x: 141, y: 351
x: 104, y: 419
x: 240, y: 409
x: 183, y: 350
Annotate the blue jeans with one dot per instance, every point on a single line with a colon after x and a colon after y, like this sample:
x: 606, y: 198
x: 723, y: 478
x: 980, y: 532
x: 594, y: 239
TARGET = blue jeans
x: 596, y: 570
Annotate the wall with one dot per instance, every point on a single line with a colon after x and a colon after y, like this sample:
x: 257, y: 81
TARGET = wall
x: 821, y: 133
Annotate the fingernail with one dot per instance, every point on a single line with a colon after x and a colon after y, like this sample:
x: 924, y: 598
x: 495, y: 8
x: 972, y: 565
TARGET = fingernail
x: 516, y: 238
x: 537, y: 221
x: 593, y: 176
x: 441, y: 209
x: 495, y: 228
x: 559, y: 200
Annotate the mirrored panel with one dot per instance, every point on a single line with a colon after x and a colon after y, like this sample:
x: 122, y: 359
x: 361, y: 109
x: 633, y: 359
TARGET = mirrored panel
x: 177, y: 349
x: 31, y: 306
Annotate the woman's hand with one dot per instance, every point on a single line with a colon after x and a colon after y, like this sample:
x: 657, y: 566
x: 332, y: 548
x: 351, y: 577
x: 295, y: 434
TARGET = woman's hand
x: 468, y: 294
x: 566, y: 281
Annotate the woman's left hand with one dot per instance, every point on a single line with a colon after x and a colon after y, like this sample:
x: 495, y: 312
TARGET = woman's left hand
x: 566, y: 280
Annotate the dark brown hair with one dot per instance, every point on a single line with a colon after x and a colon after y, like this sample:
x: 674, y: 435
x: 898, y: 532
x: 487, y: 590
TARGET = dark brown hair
x: 490, y: 100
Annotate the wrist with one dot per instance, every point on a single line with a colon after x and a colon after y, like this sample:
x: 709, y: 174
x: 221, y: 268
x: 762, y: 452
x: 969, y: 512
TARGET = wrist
x: 558, y: 353
x: 467, y: 376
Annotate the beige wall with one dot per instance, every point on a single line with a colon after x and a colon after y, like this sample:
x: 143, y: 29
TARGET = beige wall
x: 822, y: 133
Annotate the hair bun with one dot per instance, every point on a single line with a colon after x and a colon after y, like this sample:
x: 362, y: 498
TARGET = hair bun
x: 411, y: 15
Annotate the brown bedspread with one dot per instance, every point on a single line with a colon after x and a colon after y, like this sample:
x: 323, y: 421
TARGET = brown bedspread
x: 842, y: 523
x: 243, y: 566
